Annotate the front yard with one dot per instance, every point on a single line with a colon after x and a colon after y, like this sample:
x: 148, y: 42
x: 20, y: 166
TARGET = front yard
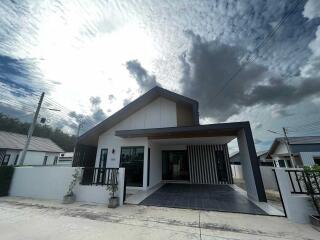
x: 34, y: 219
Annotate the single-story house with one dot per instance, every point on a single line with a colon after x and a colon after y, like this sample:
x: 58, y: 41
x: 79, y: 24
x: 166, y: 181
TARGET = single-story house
x: 262, y: 158
x: 157, y: 138
x: 42, y: 151
x: 305, y: 151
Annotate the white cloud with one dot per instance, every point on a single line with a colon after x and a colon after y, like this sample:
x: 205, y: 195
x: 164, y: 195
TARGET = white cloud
x: 312, y: 9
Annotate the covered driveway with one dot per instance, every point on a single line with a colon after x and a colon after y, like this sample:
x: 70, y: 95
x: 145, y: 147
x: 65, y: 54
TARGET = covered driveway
x: 203, y: 197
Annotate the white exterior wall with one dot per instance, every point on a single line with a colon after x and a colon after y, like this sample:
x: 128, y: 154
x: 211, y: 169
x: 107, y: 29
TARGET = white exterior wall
x: 34, y: 158
x: 41, y: 182
x: 236, y: 171
x: 308, y: 157
x: 99, y: 194
x: 246, y: 166
x: 52, y: 183
x: 298, y: 206
x: 269, y: 181
x: 155, y: 164
x: 159, y: 113
x: 268, y: 178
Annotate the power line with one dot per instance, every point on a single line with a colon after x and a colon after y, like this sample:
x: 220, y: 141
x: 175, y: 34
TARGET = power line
x: 268, y: 37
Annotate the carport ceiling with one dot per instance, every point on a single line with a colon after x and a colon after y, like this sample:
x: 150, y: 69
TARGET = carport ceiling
x: 193, y: 141
x: 210, y: 130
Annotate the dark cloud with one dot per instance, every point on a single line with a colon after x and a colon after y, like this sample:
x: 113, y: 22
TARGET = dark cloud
x: 111, y: 98
x: 208, y: 65
x: 145, y: 80
x: 95, y: 100
x: 97, y: 113
x: 126, y: 101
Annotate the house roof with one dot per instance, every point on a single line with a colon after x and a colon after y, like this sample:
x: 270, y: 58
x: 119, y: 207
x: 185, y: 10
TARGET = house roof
x: 294, y: 141
x: 9, y: 140
x: 91, y: 136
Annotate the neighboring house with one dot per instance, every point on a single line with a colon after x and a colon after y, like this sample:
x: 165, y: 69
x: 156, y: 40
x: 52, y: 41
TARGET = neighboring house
x: 262, y: 157
x: 42, y: 151
x: 158, y: 138
x: 305, y: 151
x: 65, y: 158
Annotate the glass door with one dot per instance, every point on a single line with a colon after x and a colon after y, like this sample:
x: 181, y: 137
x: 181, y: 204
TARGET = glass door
x: 221, y: 165
x: 175, y: 165
x: 131, y: 159
x: 101, y: 175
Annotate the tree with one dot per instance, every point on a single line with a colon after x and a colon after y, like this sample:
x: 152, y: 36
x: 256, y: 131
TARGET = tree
x: 63, y: 140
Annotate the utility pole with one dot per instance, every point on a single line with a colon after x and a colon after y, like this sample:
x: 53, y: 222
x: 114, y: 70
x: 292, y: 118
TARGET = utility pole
x: 288, y: 146
x: 31, y: 129
x: 77, y: 137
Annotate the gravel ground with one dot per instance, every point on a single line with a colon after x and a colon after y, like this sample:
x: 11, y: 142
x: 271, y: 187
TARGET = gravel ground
x: 34, y: 219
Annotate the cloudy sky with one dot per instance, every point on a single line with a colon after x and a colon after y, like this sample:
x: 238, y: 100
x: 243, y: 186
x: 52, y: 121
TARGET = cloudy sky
x: 242, y: 60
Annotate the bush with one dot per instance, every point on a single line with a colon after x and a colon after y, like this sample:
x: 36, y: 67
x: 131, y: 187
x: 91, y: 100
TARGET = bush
x: 312, y: 181
x: 6, y: 173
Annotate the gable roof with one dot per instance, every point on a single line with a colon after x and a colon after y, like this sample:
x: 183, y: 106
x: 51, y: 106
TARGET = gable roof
x: 294, y: 141
x: 92, y: 135
x: 9, y: 140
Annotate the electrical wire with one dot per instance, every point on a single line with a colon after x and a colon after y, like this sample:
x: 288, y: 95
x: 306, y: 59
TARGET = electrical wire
x: 257, y: 48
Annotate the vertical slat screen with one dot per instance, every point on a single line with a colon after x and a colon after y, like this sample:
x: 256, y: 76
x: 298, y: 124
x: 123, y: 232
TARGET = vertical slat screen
x: 203, y: 166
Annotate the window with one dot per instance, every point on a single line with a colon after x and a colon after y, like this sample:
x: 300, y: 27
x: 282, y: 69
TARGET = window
x: 289, y: 165
x: 55, y: 160
x: 16, y: 160
x: 45, y: 159
x: 268, y: 164
x: 281, y: 163
x: 5, y: 160
x: 131, y: 159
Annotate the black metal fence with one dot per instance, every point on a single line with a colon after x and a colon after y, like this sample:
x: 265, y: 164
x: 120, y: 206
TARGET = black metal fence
x: 99, y: 176
x: 304, y: 182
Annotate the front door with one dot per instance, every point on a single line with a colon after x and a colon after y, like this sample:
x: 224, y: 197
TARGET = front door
x: 132, y: 159
x: 101, y: 176
x: 175, y: 165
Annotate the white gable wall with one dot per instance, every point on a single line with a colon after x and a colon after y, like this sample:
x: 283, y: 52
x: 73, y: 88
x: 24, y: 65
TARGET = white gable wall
x: 158, y: 114
x: 281, y: 149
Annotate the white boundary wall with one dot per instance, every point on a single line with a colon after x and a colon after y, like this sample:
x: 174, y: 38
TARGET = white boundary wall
x: 267, y: 175
x: 298, y: 206
x: 52, y: 183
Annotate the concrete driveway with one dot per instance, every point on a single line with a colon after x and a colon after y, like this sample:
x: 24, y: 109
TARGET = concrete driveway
x: 207, y: 197
x: 32, y: 219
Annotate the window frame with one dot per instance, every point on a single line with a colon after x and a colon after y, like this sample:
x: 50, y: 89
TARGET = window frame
x: 16, y: 160
x: 4, y: 158
x: 45, y: 160
x: 55, y: 160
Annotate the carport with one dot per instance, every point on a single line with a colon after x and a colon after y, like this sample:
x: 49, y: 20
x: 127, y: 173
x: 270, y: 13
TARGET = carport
x: 222, y: 198
x: 203, y: 143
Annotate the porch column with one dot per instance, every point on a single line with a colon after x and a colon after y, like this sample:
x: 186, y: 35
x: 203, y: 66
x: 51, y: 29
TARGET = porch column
x: 250, y: 165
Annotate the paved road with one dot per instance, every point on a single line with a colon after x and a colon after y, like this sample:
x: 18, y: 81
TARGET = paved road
x: 30, y: 219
